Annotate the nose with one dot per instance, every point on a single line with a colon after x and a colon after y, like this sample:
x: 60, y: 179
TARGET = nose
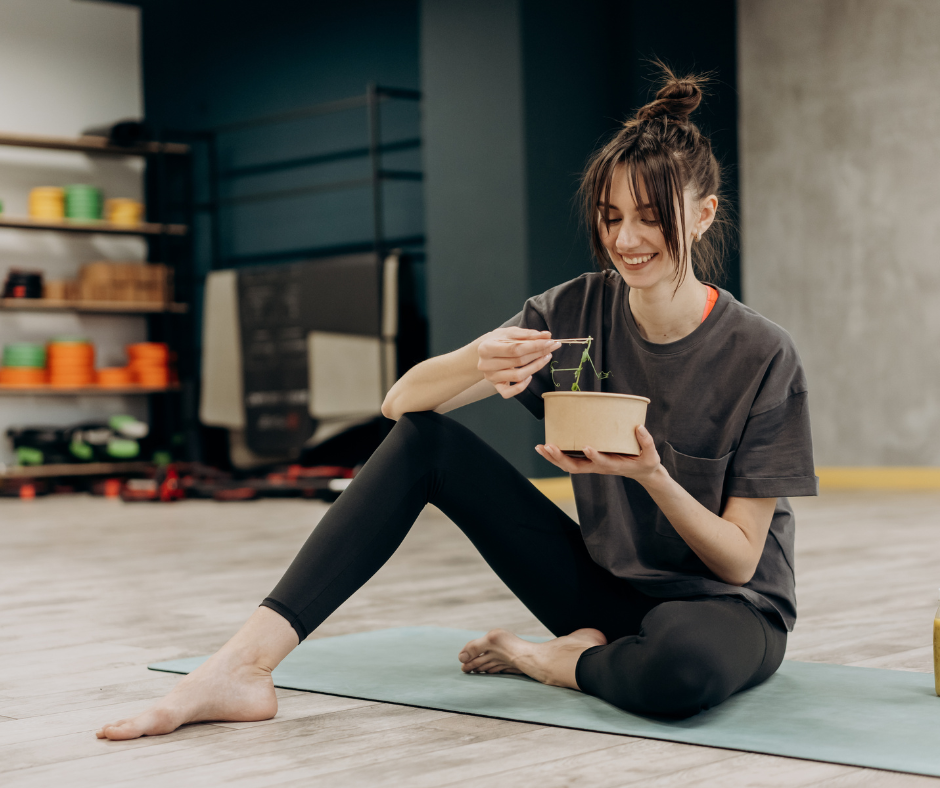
x: 627, y: 238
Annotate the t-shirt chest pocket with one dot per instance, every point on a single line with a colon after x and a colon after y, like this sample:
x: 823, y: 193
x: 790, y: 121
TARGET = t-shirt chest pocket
x: 702, y: 478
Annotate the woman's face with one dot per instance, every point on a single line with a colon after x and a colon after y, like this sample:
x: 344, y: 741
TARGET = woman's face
x: 635, y: 240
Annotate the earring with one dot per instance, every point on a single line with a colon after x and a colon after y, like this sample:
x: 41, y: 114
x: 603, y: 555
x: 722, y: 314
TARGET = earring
x: 697, y: 236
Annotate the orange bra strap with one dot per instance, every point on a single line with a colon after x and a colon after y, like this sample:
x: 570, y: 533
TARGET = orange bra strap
x: 712, y: 298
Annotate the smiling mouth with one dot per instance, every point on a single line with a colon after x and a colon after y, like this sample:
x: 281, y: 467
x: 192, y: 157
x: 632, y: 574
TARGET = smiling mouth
x: 638, y: 260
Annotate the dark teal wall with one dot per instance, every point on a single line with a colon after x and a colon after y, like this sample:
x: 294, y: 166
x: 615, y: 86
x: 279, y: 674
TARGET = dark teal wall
x: 209, y: 63
x: 477, y: 194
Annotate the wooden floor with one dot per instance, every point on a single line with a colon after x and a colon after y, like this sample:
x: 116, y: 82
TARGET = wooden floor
x: 92, y: 590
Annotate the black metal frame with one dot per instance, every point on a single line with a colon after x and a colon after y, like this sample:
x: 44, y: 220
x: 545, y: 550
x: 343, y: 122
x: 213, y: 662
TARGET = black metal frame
x: 371, y: 101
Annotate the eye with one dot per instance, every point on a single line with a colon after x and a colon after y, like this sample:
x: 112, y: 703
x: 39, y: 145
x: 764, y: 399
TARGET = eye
x: 650, y: 222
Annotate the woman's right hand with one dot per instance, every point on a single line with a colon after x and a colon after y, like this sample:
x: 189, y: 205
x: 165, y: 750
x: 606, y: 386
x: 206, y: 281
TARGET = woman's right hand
x: 509, y: 357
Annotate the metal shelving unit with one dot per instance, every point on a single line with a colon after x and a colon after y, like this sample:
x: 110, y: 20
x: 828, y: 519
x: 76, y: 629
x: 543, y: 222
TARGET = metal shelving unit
x: 166, y: 412
x: 69, y: 469
x: 84, y: 391
x: 91, y: 144
x: 107, y: 228
x: 92, y: 307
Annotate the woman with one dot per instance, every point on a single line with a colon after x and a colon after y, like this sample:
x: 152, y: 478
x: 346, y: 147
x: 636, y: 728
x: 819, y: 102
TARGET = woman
x: 677, y: 589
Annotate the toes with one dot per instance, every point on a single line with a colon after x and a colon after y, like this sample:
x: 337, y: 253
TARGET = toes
x: 121, y: 731
x: 473, y: 650
x: 492, y: 667
x: 109, y: 731
x: 476, y: 662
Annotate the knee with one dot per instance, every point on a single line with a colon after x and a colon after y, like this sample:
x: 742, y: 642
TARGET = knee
x: 680, y: 685
x: 670, y: 675
x: 430, y: 429
x: 417, y: 428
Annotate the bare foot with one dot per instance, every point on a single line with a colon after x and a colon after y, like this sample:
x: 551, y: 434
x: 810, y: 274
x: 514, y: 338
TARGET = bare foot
x: 552, y: 662
x: 234, y: 685
x: 243, y: 693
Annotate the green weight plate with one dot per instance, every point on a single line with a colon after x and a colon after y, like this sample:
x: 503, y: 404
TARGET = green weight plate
x: 27, y: 356
x: 27, y: 455
x: 123, y: 449
x: 81, y: 451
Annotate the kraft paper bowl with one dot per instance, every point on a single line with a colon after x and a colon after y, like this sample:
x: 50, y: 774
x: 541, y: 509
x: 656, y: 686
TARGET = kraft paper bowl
x: 605, y: 422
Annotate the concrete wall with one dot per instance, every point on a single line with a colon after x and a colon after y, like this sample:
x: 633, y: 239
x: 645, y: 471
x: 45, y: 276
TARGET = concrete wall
x: 68, y: 66
x: 840, y: 122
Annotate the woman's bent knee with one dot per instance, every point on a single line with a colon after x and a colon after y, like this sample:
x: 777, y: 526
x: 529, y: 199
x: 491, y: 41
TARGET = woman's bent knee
x: 674, y: 679
x: 682, y: 689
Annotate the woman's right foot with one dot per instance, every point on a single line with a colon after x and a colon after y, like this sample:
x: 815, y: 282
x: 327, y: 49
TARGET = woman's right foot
x: 219, y: 690
x: 233, y: 685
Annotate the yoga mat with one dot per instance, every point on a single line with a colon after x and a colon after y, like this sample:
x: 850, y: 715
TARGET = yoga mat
x: 882, y: 719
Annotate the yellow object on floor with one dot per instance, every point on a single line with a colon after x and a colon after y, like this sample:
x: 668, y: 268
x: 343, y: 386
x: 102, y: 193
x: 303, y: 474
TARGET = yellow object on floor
x: 559, y: 488
x: 556, y: 489
x: 879, y: 478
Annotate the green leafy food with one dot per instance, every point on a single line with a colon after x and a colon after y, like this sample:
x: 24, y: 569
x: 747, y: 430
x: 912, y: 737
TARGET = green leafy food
x: 585, y: 359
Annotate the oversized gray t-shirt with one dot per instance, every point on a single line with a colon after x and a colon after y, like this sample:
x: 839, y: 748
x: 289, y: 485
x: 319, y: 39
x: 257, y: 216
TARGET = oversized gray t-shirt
x: 728, y: 414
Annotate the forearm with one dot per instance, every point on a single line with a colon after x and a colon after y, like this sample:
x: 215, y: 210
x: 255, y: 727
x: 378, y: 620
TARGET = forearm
x: 433, y: 382
x: 722, y: 545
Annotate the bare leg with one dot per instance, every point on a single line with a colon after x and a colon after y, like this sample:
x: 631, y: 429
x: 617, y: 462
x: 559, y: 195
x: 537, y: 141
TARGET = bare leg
x: 233, y: 685
x: 552, y: 662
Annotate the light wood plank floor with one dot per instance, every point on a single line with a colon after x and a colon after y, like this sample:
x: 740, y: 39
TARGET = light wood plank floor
x: 93, y: 590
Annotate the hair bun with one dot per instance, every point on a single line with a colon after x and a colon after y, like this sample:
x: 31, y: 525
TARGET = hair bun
x: 677, y: 99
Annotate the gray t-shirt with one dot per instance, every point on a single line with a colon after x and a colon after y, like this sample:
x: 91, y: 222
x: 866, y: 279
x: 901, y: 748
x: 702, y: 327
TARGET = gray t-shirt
x: 729, y: 416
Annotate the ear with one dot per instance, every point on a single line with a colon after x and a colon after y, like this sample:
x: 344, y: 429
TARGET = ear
x: 707, y: 208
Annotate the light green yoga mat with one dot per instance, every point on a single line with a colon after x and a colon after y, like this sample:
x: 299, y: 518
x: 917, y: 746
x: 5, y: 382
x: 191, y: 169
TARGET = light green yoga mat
x: 884, y: 719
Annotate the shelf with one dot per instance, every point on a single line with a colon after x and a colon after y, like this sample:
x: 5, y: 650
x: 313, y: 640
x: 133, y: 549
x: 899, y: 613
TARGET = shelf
x: 77, y: 226
x: 68, y: 469
x: 83, y: 391
x: 106, y: 307
x: 90, y: 144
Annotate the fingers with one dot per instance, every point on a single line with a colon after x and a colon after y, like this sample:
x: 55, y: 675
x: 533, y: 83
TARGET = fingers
x: 558, y: 458
x: 514, y: 332
x: 507, y: 390
x: 495, y: 363
x: 517, y: 374
x: 510, y: 382
x: 514, y: 351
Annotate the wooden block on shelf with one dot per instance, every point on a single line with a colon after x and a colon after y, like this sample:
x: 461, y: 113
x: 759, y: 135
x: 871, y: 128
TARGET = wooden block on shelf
x: 153, y: 284
x: 55, y: 290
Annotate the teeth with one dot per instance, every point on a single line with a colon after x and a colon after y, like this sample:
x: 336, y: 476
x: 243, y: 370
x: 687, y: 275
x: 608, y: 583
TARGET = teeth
x: 637, y: 260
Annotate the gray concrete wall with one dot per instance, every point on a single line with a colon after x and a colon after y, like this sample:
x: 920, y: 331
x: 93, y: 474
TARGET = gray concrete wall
x: 840, y: 163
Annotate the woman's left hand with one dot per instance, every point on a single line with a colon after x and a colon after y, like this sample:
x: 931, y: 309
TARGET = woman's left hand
x: 639, y: 467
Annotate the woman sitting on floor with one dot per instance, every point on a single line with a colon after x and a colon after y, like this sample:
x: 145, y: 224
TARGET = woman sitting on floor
x: 677, y: 589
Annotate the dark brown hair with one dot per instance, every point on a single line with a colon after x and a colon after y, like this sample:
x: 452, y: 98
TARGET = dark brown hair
x: 667, y: 153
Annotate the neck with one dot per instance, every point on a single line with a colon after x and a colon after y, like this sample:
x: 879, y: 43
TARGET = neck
x: 664, y: 314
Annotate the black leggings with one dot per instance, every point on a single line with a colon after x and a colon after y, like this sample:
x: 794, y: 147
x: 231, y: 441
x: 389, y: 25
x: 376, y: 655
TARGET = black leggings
x: 668, y: 657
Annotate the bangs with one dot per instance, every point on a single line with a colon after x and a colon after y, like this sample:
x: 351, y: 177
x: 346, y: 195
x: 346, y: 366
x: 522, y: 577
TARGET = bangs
x: 656, y: 186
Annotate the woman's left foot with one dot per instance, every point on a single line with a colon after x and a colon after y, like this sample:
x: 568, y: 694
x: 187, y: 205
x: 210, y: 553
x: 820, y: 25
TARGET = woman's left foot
x: 552, y: 662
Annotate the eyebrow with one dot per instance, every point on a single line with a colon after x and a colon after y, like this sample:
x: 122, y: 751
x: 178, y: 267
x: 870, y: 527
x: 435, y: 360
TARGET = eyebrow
x: 644, y: 207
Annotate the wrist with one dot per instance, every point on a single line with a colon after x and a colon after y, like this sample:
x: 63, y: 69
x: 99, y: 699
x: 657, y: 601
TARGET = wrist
x: 657, y: 479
